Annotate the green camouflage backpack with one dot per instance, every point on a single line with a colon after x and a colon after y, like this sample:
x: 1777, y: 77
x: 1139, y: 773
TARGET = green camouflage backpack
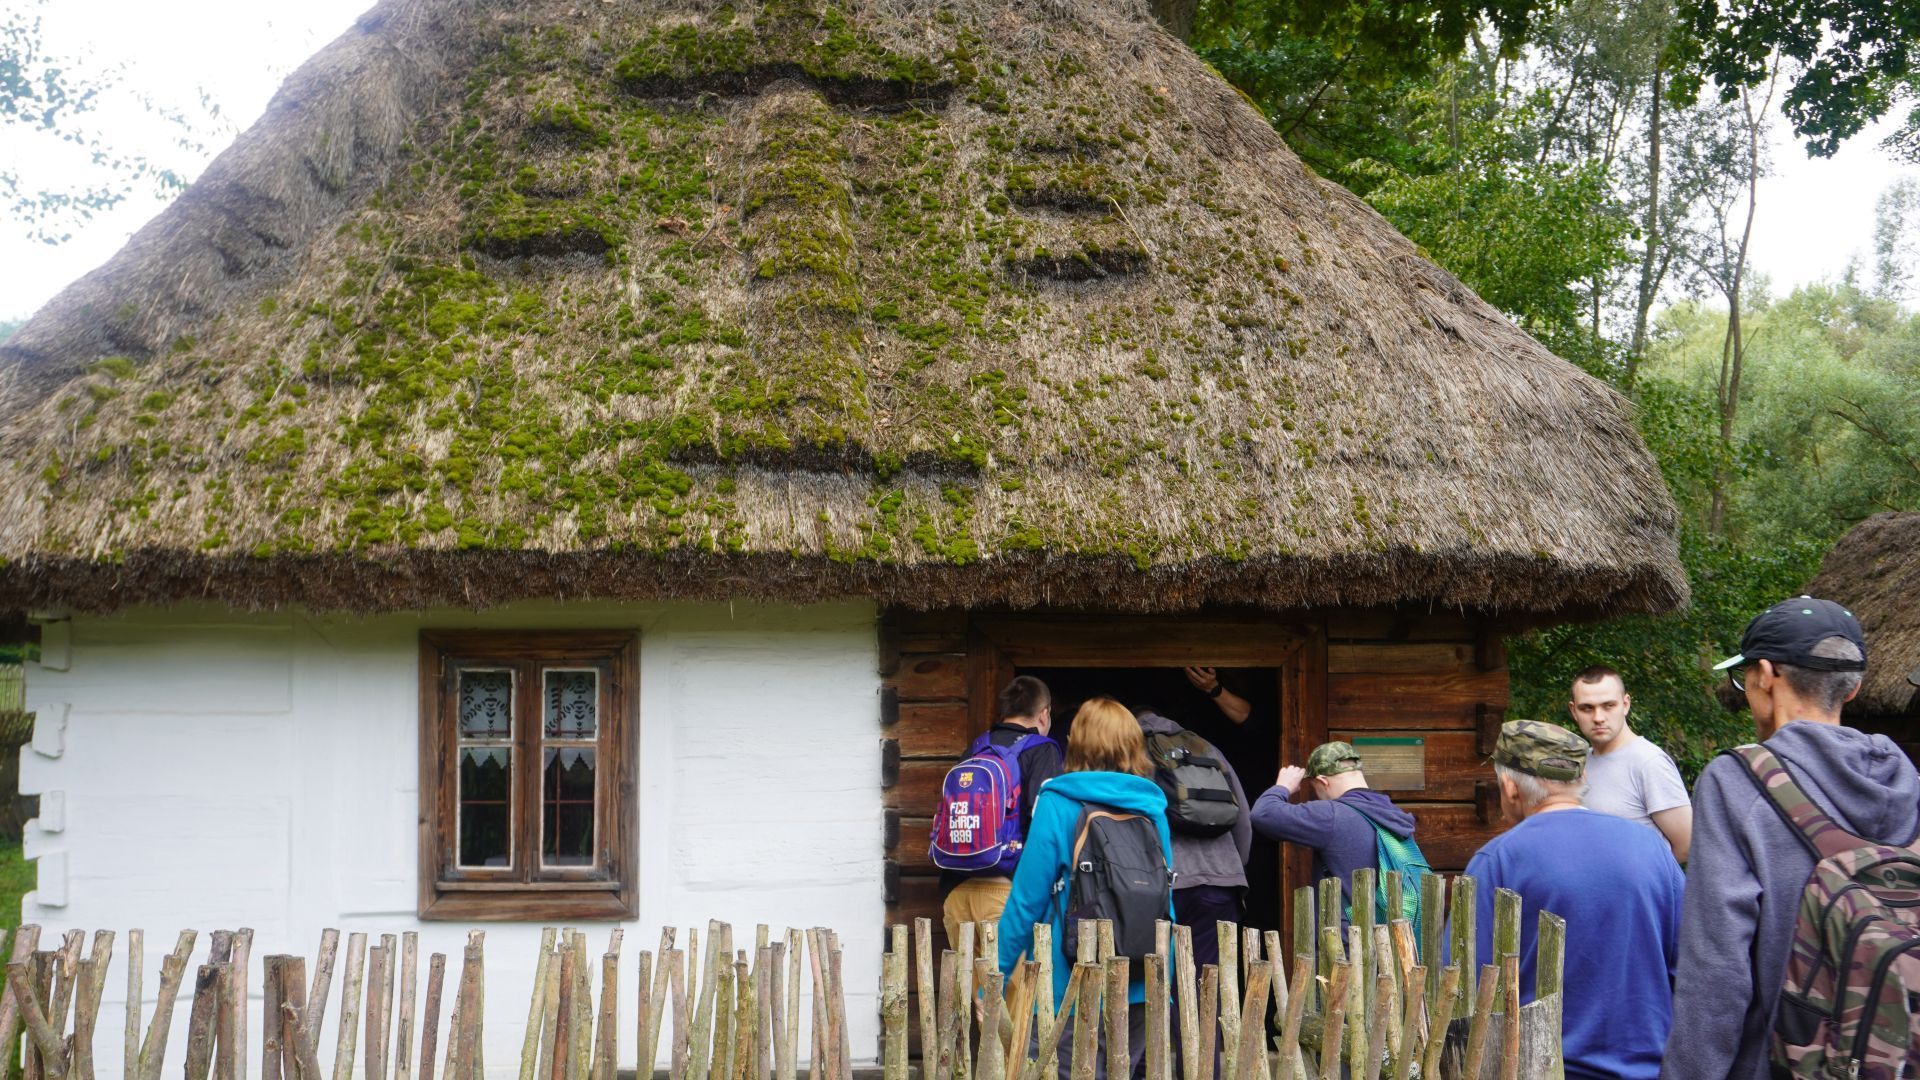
x: 1850, y: 1006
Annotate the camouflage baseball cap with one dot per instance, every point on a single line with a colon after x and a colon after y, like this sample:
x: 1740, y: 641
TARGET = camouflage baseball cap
x: 1547, y: 751
x: 1328, y: 759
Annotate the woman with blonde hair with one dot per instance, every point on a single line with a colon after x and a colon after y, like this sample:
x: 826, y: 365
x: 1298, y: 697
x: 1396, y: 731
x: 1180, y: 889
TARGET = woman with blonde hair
x: 1096, y: 828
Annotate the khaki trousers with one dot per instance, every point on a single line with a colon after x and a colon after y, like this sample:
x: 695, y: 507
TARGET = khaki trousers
x: 978, y: 899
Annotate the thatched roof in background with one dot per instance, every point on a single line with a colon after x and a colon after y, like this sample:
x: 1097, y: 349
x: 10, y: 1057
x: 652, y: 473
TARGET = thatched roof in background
x: 933, y: 301
x: 1875, y: 572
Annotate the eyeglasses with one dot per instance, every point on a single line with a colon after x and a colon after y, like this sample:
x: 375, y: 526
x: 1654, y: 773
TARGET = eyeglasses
x: 1738, y: 677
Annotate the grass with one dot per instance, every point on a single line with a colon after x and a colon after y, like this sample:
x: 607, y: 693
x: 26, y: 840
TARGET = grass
x: 17, y: 878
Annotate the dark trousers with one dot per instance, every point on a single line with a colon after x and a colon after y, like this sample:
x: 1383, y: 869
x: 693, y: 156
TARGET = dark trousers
x: 1200, y: 908
x: 1136, y: 1047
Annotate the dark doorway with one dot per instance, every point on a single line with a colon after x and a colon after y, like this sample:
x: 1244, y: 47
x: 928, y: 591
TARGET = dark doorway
x: 1252, y: 748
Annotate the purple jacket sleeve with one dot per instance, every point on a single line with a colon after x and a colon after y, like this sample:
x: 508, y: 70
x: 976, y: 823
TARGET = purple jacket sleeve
x: 1309, y: 823
x: 1720, y: 913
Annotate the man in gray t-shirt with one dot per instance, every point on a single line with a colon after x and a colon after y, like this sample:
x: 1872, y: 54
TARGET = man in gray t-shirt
x: 1628, y: 776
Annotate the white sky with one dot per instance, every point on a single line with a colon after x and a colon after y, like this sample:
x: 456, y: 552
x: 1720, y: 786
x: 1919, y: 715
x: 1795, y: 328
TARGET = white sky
x: 1815, y: 215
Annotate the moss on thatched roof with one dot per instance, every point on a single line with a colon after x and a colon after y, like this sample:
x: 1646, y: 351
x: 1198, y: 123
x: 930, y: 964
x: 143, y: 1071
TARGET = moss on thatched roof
x: 1875, y: 571
x: 934, y: 303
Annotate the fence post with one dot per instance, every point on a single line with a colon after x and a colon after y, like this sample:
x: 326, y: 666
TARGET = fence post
x: 1549, y: 975
x: 893, y: 1009
x: 1465, y: 940
x: 1440, y: 1019
x: 1229, y: 1000
x: 1306, y: 936
x: 1506, y: 936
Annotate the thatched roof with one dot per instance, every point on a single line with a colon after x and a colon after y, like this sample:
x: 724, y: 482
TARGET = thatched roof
x: 933, y: 301
x: 1875, y: 572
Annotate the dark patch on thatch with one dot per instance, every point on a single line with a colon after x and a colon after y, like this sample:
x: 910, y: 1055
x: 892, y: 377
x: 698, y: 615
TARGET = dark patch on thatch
x: 847, y: 93
x: 1088, y: 264
x: 556, y: 241
x: 1064, y: 200
x: 1874, y: 570
x: 797, y: 299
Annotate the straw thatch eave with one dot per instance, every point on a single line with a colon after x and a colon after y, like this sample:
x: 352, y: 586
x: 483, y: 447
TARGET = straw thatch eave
x: 1874, y: 570
x: 928, y: 303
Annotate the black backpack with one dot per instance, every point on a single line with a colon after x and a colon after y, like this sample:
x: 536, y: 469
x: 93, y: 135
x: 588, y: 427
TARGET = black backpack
x: 1200, y: 798
x: 1119, y: 872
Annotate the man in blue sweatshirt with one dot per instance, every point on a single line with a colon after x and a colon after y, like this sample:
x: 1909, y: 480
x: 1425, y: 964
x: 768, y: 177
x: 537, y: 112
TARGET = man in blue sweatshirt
x: 1615, y: 883
x: 1799, y: 662
x: 1338, y: 817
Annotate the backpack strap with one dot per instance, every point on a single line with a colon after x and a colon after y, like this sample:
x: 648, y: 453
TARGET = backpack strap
x: 1027, y: 742
x: 1823, y: 836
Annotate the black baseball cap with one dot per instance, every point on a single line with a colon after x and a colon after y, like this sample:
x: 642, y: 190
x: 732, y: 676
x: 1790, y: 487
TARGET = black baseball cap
x: 1787, y: 632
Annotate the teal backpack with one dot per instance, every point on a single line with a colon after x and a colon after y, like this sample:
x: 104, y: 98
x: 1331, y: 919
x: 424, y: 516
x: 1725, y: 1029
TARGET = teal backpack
x: 1394, y: 854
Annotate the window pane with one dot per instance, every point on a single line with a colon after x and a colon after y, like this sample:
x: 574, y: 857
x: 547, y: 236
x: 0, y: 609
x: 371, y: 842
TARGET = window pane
x: 567, y: 814
x: 486, y: 806
x: 486, y: 704
x: 573, y: 704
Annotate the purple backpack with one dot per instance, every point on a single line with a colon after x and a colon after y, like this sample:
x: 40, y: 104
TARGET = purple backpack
x: 976, y: 827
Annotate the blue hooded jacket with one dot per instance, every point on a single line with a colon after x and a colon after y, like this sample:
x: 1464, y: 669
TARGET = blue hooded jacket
x: 1048, y: 851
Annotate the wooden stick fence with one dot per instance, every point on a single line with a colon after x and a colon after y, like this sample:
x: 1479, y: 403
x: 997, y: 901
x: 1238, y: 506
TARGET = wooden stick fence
x: 1370, y: 1000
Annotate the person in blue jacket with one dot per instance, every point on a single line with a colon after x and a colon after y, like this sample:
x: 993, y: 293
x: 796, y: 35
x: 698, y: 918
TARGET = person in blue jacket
x: 1106, y: 765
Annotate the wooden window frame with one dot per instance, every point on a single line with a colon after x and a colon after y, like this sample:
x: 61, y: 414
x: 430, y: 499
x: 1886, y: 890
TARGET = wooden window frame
x: 528, y: 890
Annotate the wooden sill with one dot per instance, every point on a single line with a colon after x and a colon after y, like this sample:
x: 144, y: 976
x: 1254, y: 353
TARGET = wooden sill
x: 529, y: 887
x: 549, y: 901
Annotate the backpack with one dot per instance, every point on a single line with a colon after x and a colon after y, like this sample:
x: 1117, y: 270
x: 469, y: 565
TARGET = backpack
x: 1851, y: 1000
x: 1118, y: 872
x: 976, y: 828
x: 1394, y: 854
x: 1200, y: 798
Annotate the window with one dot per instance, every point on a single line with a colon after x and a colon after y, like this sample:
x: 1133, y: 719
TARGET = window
x: 527, y: 775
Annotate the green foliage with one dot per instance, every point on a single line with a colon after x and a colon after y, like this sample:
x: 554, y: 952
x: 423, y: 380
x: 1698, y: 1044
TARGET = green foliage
x: 1522, y: 230
x: 18, y: 877
x: 1829, y: 422
x: 1828, y: 432
x: 1853, y: 59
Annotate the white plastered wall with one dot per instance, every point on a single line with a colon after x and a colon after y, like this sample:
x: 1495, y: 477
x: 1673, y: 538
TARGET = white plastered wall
x: 208, y: 769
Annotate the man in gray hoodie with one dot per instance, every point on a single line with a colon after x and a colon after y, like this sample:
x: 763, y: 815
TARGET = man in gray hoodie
x: 1210, y: 872
x: 1799, y: 662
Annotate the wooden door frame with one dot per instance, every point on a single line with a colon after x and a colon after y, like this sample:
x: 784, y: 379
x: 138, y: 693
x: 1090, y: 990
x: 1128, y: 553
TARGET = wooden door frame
x: 997, y: 644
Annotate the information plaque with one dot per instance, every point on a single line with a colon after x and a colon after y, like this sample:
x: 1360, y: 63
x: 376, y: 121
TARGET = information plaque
x: 1393, y: 762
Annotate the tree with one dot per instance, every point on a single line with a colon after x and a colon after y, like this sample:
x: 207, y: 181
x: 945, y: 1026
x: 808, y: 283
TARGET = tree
x: 1524, y: 228
x: 54, y: 96
x: 1854, y: 60
x: 1896, y: 239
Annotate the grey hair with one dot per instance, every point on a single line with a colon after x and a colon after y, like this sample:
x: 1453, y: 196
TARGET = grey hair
x: 1826, y: 690
x: 1534, y: 790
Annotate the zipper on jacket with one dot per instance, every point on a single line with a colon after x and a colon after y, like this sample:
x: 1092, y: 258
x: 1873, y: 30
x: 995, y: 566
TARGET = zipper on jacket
x: 1873, y: 1000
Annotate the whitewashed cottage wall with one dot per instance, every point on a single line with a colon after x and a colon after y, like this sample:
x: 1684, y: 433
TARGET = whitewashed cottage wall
x: 208, y: 769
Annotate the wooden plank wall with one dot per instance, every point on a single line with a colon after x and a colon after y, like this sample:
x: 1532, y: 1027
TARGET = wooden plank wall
x: 1440, y: 677
x: 926, y: 725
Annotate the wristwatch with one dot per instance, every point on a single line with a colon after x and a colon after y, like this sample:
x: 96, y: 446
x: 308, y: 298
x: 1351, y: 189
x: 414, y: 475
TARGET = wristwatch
x: 1218, y: 689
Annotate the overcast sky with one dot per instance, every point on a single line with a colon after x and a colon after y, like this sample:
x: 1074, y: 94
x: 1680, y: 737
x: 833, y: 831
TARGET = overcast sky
x: 1815, y: 215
